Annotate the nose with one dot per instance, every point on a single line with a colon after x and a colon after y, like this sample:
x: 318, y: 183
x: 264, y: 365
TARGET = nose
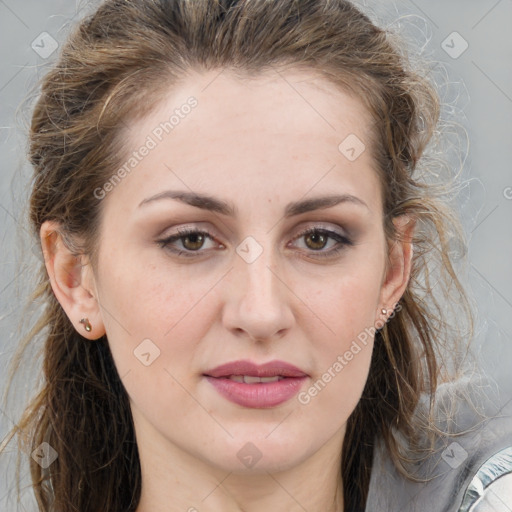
x: 258, y: 298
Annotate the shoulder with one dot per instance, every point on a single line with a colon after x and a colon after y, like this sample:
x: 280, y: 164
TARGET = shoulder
x: 491, y: 487
x: 473, y: 463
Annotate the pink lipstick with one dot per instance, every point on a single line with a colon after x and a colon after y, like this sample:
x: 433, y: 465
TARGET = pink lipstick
x: 257, y: 386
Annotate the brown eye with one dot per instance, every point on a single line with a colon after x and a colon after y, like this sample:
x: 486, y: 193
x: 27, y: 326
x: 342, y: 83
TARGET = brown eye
x: 319, y: 240
x: 316, y: 239
x: 193, y: 241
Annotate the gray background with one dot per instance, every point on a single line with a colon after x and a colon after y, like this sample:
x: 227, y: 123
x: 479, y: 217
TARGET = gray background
x: 475, y: 88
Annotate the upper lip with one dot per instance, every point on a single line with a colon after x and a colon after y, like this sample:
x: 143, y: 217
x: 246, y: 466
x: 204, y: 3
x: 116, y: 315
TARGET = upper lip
x: 244, y: 367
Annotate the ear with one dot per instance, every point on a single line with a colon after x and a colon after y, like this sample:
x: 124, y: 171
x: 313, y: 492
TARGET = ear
x: 398, y: 268
x: 72, y: 281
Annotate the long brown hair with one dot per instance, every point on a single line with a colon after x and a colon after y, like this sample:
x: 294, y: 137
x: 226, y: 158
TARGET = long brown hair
x: 117, y: 65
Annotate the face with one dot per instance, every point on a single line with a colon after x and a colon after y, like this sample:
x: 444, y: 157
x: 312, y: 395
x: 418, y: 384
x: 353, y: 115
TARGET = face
x: 259, y: 273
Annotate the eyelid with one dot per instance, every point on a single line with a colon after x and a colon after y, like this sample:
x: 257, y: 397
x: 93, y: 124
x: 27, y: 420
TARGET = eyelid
x: 319, y: 226
x: 193, y: 226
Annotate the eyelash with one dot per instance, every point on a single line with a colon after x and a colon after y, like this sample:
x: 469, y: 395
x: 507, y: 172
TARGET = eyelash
x: 183, y: 232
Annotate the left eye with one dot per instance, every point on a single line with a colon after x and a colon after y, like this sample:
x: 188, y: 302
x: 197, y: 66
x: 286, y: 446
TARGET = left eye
x: 319, y: 238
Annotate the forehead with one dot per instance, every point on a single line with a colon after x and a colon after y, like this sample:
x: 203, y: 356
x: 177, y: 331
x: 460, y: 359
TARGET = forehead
x: 294, y: 101
x: 272, y: 132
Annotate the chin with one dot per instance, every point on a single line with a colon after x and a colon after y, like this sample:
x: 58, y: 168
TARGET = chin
x: 259, y: 455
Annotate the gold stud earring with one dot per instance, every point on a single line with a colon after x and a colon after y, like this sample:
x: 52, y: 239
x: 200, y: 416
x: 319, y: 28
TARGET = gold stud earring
x: 384, y: 311
x: 87, y: 325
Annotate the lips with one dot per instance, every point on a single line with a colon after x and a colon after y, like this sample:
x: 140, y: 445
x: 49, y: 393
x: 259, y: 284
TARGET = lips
x: 250, y: 369
x: 256, y: 386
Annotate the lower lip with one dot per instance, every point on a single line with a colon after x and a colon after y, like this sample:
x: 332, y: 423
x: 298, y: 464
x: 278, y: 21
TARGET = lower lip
x: 260, y: 395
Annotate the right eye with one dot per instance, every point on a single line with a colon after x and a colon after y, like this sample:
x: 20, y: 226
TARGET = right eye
x: 191, y: 240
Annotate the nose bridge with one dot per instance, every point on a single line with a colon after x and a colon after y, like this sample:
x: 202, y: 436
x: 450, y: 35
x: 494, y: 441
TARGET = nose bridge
x: 259, y: 303
x: 258, y: 275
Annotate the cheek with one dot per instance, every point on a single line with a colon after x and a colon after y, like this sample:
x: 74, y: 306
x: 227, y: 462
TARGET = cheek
x: 346, y: 301
x: 346, y: 309
x: 343, y: 354
x: 141, y: 302
x: 154, y: 336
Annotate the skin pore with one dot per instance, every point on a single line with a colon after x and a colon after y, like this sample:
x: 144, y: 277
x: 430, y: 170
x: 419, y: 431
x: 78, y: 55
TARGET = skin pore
x: 257, y: 145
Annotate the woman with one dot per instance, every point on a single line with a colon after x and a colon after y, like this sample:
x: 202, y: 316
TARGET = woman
x: 237, y: 253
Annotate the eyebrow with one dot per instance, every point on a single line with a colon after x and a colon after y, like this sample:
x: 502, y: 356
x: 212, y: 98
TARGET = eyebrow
x: 206, y: 202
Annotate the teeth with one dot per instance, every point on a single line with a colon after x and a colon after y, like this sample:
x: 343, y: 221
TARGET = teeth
x: 249, y: 379
x: 269, y: 379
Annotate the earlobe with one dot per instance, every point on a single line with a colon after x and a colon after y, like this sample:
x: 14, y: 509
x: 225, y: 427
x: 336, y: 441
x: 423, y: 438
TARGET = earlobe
x: 72, y: 282
x: 398, y: 270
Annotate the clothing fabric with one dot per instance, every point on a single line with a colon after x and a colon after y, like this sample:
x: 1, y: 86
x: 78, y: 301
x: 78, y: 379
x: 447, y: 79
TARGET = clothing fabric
x: 480, y: 428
